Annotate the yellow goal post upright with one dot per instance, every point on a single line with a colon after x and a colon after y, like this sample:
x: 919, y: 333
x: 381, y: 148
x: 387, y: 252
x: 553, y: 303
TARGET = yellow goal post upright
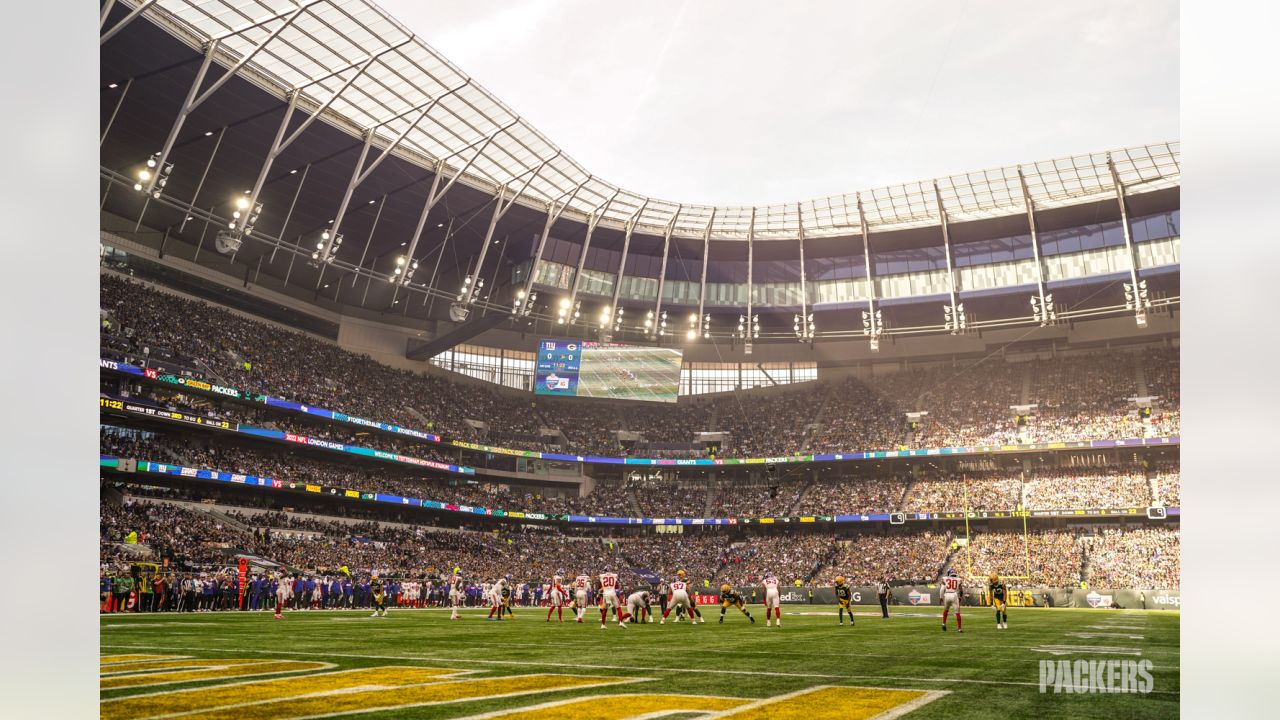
x: 980, y: 577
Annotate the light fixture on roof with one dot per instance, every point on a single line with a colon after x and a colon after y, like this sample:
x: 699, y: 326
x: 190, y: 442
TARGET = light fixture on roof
x: 243, y: 218
x: 326, y: 248
x: 953, y: 317
x: 568, y: 311
x: 113, y: 86
x: 522, y: 306
x: 152, y: 178
x: 1043, y: 311
x: 873, y: 327
x: 405, y: 267
x: 805, y: 328
x: 208, y: 133
x: 1138, y: 301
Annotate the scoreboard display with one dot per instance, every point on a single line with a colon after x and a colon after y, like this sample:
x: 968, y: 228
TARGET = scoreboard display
x: 574, y: 368
x: 557, y: 368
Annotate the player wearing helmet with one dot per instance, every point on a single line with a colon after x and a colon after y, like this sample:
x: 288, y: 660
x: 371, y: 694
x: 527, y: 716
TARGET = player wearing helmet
x: 772, y: 600
x: 729, y: 598
x: 844, y: 600
x: 609, y: 598
x: 680, y: 601
x: 557, y: 597
x: 952, y: 589
x: 456, y: 595
x: 580, y: 586
x: 379, y: 597
x: 999, y: 600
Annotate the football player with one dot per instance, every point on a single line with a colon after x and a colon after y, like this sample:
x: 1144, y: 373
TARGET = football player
x: 456, y: 595
x: 637, y: 607
x: 284, y: 589
x: 772, y: 600
x: 729, y: 598
x: 580, y: 585
x: 681, y: 602
x: 557, y: 597
x: 844, y: 600
x: 951, y: 591
x: 999, y: 600
x: 379, y: 597
x: 609, y: 598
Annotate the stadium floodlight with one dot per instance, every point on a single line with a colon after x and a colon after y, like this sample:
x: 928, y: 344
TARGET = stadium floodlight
x: 954, y: 320
x: 1138, y: 300
x: 242, y: 217
x: 804, y: 327
x: 873, y: 327
x: 522, y: 306
x: 565, y: 311
x: 327, y: 249
x: 1043, y: 312
x: 152, y: 177
x: 706, y: 326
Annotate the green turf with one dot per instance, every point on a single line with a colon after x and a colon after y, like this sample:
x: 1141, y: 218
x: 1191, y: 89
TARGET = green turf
x: 987, y: 672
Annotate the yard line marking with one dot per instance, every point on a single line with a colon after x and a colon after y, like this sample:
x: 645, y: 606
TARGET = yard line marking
x: 1087, y: 650
x: 190, y: 671
x: 254, y: 692
x: 413, y: 696
x: 705, y: 671
x: 636, y: 705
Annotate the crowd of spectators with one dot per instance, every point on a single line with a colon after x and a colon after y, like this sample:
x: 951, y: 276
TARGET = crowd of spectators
x: 1079, y: 396
x: 851, y: 496
x: 900, y: 556
x: 1088, y: 489
x: 1135, y: 558
x: 194, y: 541
x: 1054, y: 557
x: 954, y: 494
x: 663, y: 496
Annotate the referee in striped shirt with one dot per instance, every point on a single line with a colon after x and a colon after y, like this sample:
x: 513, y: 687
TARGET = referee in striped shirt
x: 883, y: 591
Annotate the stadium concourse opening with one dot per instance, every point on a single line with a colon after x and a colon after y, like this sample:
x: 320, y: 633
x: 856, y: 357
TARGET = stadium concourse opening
x: 403, y: 411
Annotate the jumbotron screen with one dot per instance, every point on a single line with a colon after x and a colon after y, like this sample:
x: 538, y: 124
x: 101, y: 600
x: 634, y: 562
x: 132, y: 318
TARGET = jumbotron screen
x: 575, y: 368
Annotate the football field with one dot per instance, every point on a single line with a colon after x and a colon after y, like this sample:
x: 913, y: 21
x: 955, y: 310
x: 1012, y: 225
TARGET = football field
x: 419, y: 664
x: 654, y: 373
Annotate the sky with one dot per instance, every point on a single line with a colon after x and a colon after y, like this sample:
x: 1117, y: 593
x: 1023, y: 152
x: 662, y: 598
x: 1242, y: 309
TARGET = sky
x: 736, y: 102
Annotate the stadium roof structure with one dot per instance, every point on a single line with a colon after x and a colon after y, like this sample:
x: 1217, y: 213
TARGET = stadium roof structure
x: 366, y: 73
x: 336, y: 119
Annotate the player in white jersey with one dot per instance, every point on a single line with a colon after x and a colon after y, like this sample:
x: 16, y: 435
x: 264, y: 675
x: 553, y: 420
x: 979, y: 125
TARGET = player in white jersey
x: 772, y: 600
x: 952, y: 589
x: 609, y: 598
x: 638, y: 606
x: 580, y: 586
x: 284, y: 590
x: 680, y: 601
x: 456, y: 595
x: 557, y: 597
